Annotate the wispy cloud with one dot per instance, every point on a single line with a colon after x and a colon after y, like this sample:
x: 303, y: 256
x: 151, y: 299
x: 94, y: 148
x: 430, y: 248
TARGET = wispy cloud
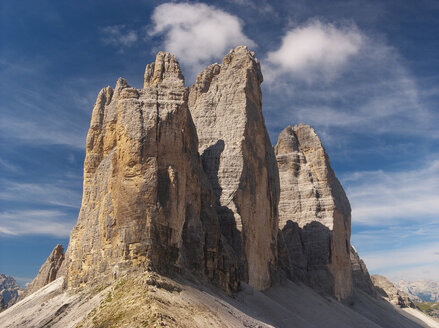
x: 381, y: 198
x: 119, y: 36
x: 197, y: 33
x: 314, y: 51
x: 43, y: 194
x: 8, y: 166
x: 38, y: 132
x: 35, y: 222
x: 409, y: 263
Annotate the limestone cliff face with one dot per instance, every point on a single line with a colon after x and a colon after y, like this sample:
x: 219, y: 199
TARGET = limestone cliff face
x: 226, y: 105
x: 360, y: 275
x: 314, y: 214
x: 48, y: 271
x: 146, y: 201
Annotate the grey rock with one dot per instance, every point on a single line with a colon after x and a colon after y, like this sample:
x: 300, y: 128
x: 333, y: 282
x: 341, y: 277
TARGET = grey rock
x: 9, y: 291
x: 360, y: 275
x: 314, y: 214
x: 389, y: 292
x: 48, y: 271
x: 226, y: 105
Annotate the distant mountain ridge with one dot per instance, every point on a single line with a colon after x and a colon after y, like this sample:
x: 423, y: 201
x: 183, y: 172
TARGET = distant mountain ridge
x: 9, y: 291
x: 424, y: 289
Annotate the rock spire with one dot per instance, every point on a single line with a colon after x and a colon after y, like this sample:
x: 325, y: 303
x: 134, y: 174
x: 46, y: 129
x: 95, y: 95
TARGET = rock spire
x: 314, y: 214
x: 226, y: 105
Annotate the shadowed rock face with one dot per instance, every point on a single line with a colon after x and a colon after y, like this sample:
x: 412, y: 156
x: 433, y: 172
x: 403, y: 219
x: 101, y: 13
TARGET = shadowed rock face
x: 317, y: 239
x: 146, y: 202
x: 48, y: 272
x: 360, y: 274
x: 226, y: 105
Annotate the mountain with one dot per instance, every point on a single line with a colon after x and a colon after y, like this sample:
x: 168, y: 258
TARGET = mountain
x: 315, y: 214
x: 190, y: 218
x: 9, y: 291
x: 424, y: 289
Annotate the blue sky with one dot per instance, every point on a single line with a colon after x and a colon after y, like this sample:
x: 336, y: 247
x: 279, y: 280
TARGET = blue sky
x: 364, y: 74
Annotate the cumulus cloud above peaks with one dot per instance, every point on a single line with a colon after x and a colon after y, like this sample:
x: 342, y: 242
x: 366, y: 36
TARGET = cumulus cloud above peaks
x: 315, y: 50
x: 197, y: 33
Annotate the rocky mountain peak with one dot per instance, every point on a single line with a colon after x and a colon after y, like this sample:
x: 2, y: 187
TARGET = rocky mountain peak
x: 165, y: 71
x: 48, y: 272
x: 314, y: 214
x: 237, y: 156
x: 9, y: 291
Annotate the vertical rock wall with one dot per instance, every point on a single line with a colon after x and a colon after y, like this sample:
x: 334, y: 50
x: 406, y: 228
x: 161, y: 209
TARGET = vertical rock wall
x: 314, y: 214
x: 226, y: 105
x: 146, y: 200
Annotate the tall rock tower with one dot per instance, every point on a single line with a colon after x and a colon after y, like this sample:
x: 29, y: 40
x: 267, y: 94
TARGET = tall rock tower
x: 237, y: 155
x: 314, y: 214
x: 146, y: 202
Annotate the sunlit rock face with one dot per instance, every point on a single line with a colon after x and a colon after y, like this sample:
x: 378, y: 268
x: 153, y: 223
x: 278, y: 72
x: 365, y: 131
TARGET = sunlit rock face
x: 226, y: 105
x: 314, y: 214
x: 147, y: 203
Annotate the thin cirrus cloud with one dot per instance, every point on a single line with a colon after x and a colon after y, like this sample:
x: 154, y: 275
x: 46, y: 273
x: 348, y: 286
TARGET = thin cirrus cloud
x: 406, y: 263
x: 314, y: 50
x: 119, y: 36
x: 42, y: 194
x: 35, y: 222
x: 381, y: 198
x: 197, y: 33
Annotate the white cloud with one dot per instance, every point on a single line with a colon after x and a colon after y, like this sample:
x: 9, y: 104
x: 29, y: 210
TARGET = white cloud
x: 314, y: 51
x: 341, y: 80
x: 197, y: 33
x: 410, y: 263
x: 35, y: 222
x: 118, y: 35
x: 47, y: 194
x: 381, y: 198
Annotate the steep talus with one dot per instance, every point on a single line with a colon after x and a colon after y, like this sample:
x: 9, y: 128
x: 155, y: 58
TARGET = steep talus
x: 146, y: 203
x: 226, y: 105
x: 314, y: 214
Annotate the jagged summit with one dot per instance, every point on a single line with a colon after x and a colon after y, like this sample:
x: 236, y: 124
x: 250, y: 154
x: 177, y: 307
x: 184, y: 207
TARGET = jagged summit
x: 165, y: 71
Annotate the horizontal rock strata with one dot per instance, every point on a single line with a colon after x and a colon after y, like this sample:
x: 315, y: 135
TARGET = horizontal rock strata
x: 314, y: 214
x: 226, y: 105
x: 147, y: 203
